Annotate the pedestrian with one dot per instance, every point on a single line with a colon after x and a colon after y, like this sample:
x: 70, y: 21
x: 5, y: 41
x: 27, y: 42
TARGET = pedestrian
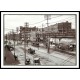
x: 5, y: 58
x: 15, y: 57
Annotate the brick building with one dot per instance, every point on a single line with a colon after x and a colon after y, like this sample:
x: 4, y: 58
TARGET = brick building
x: 59, y: 29
x: 64, y: 27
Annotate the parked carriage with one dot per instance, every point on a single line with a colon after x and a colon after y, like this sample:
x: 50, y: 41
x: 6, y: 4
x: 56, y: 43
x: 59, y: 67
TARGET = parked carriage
x: 31, y: 51
x: 72, y: 47
x: 27, y: 62
x: 15, y: 57
x: 36, y: 61
x: 35, y: 44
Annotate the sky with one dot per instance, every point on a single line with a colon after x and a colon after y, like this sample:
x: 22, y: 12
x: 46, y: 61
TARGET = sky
x: 14, y: 21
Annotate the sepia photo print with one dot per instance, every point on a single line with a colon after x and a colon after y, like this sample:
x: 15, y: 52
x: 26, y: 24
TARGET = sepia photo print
x: 40, y: 40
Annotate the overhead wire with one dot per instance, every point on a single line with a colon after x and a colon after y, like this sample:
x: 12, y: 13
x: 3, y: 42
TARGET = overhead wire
x: 61, y: 20
x: 45, y: 20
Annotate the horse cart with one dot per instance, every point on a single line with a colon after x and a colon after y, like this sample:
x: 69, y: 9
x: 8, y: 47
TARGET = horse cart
x: 31, y: 51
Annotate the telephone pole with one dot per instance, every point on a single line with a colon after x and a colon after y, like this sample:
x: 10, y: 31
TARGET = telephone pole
x: 48, y: 36
x: 6, y: 39
x: 25, y: 44
x: 25, y: 40
x: 9, y: 37
x: 47, y: 16
x: 17, y: 29
x: 14, y: 40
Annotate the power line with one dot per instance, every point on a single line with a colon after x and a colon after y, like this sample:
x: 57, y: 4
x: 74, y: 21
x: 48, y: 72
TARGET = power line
x: 7, y: 29
x: 60, y: 20
x: 45, y: 20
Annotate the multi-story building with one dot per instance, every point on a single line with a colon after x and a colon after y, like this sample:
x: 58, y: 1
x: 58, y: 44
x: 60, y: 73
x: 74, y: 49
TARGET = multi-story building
x: 59, y: 29
x: 64, y: 27
x: 25, y: 32
x: 33, y: 33
x: 51, y: 28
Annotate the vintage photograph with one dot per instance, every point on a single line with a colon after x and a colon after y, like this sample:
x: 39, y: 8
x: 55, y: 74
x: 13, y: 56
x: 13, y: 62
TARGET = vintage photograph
x: 40, y: 39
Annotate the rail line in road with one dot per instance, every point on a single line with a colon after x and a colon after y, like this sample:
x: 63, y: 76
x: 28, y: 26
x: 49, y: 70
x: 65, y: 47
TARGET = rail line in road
x: 65, y: 61
x: 42, y: 59
x: 62, y: 61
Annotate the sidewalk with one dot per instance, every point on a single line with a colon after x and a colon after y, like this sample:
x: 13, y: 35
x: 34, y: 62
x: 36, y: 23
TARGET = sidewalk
x: 10, y: 60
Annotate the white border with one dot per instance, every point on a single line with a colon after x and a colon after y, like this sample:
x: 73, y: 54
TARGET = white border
x: 2, y: 13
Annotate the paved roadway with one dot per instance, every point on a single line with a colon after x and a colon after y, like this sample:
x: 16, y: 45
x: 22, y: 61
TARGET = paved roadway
x: 55, y: 58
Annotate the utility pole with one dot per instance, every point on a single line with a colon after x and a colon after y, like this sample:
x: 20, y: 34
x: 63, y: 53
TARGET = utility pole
x: 14, y: 40
x: 27, y: 25
x: 6, y: 39
x: 20, y: 35
x: 42, y: 28
x: 48, y: 44
x: 25, y: 41
x: 9, y: 37
x: 17, y: 34
x: 25, y: 45
x: 42, y: 35
x: 55, y: 41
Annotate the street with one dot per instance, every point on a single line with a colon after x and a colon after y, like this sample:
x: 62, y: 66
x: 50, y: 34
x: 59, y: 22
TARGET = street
x: 54, y: 58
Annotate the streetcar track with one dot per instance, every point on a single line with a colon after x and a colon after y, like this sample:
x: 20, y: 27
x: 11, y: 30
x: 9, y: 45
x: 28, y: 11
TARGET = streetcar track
x: 55, y: 56
x: 67, y: 60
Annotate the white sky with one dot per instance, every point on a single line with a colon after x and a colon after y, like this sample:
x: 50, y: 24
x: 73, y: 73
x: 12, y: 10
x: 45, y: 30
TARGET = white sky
x: 13, y: 21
